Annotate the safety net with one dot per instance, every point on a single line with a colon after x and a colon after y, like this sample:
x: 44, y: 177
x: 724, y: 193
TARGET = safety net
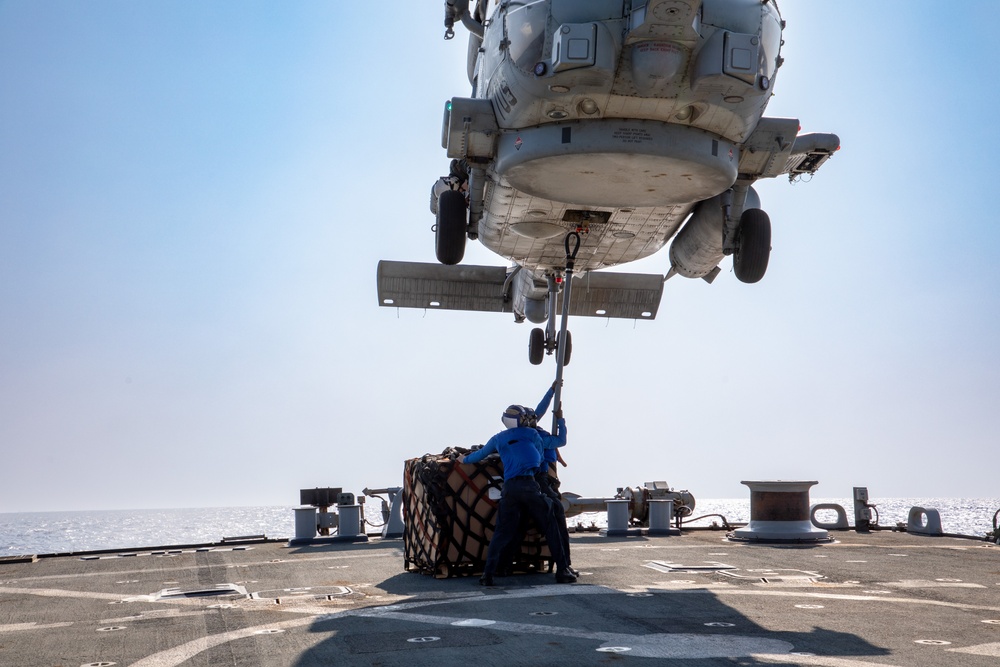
x: 449, y: 512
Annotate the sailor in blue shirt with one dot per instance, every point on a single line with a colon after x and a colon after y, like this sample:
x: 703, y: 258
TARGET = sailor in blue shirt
x: 520, y: 448
x: 549, y: 486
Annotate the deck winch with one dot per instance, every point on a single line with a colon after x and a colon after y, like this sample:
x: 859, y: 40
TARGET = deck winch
x: 652, y: 506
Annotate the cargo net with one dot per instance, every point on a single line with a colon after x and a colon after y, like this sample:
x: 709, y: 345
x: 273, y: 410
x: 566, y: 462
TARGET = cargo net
x: 449, y: 512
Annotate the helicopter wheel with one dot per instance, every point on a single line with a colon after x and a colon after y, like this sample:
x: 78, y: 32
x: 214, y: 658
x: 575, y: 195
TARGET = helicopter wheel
x: 569, y: 347
x: 536, y: 346
x: 452, y: 221
x: 753, y: 246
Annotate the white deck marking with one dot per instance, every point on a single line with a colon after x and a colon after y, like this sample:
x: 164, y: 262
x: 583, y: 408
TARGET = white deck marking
x: 154, y: 615
x: 16, y: 627
x: 979, y: 649
x: 473, y: 623
x: 61, y: 593
x: 835, y: 596
x: 186, y: 568
x: 180, y: 654
x: 925, y: 583
x: 815, y: 661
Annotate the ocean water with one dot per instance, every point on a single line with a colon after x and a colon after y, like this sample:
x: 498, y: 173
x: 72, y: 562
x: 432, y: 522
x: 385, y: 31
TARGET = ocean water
x: 62, y: 532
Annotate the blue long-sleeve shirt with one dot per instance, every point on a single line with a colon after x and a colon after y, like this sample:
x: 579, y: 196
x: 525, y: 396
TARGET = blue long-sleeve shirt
x: 520, y: 450
x: 552, y: 442
x: 543, y: 405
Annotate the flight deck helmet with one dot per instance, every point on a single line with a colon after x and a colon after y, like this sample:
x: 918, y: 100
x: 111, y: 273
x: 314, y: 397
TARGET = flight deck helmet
x: 514, y: 416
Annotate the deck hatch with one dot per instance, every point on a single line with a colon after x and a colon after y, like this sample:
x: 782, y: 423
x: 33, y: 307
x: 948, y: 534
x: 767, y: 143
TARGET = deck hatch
x: 217, y: 591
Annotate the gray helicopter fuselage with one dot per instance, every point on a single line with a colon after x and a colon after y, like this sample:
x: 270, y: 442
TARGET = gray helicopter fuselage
x: 611, y: 118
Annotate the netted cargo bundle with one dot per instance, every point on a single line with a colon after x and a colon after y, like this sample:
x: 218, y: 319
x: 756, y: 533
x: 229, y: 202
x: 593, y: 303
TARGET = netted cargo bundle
x: 449, y: 512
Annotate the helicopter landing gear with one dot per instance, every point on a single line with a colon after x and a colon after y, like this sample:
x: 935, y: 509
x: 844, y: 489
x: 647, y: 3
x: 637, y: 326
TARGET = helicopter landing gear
x: 450, y: 230
x: 753, y: 246
x: 539, y: 343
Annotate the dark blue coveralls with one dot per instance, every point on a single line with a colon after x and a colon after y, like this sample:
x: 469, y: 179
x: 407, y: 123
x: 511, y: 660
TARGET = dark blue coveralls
x: 520, y: 451
x: 550, y: 456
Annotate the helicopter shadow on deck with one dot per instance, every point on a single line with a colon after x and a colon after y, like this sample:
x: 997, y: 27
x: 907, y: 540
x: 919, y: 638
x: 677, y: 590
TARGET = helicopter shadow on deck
x: 528, y: 620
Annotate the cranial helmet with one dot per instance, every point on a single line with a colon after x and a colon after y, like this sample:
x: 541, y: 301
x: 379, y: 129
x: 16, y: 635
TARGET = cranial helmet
x: 514, y: 416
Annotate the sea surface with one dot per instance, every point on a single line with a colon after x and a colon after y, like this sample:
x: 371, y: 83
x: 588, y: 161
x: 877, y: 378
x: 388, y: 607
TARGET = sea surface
x: 77, y: 531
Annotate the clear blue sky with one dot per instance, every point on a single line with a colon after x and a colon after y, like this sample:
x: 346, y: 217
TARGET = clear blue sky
x: 194, y: 197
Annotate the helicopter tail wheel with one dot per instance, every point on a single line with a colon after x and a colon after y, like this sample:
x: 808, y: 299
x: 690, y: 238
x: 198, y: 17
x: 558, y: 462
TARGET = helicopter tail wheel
x: 753, y: 246
x: 449, y: 233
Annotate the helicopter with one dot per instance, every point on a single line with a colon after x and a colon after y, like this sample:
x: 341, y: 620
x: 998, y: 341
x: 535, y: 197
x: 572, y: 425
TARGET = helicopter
x: 597, y: 132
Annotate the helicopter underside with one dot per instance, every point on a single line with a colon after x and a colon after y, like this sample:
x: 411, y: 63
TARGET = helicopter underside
x: 530, y: 230
x: 617, y: 162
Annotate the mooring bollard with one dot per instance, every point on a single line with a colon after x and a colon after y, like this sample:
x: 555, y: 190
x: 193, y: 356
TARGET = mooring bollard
x: 779, y: 512
x: 618, y: 519
x: 661, y: 515
x: 305, y: 523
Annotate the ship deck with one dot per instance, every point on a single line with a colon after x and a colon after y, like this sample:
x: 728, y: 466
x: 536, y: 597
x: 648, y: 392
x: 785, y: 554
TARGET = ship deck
x: 867, y: 599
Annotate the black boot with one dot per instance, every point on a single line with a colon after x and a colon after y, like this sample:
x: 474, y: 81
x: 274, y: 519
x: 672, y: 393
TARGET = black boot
x: 486, y: 580
x: 565, y: 577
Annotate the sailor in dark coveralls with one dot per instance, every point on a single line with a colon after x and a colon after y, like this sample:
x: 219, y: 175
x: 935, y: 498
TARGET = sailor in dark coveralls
x: 520, y: 448
x: 548, y: 485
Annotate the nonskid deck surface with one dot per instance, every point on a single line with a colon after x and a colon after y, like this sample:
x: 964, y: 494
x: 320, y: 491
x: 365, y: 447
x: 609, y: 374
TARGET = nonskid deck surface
x: 865, y: 600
